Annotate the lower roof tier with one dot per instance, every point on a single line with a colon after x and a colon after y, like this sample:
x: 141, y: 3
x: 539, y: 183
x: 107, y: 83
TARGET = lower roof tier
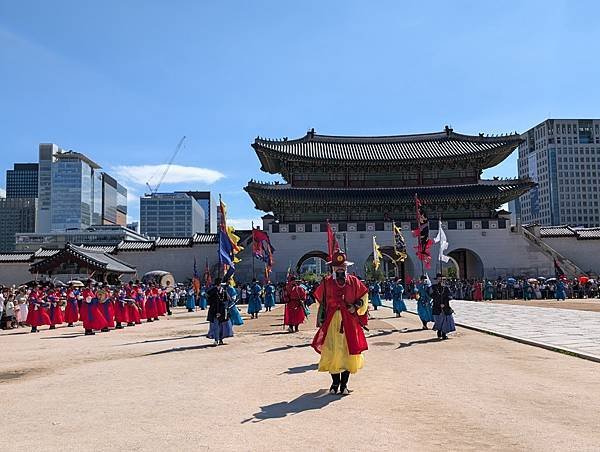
x: 454, y: 201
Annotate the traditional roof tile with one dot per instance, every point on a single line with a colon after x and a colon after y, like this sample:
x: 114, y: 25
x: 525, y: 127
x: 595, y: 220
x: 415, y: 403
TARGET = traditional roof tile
x: 381, y: 149
x: 16, y: 257
x: 588, y: 233
x: 205, y: 238
x: 265, y: 196
x: 557, y: 231
x: 93, y: 259
x: 135, y: 245
x: 164, y: 242
x: 43, y: 253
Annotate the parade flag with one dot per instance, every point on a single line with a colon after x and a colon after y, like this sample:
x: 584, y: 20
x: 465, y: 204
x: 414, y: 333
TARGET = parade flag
x: 558, y: 272
x: 207, y: 277
x: 332, y: 244
x: 196, y: 279
x: 441, y: 239
x: 261, y: 247
x: 228, y: 243
x: 376, y: 255
x: 422, y: 233
x: 399, y: 244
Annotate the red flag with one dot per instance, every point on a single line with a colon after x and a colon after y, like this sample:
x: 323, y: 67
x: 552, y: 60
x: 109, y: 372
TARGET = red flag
x: 332, y: 243
x: 422, y: 233
x: 207, y: 277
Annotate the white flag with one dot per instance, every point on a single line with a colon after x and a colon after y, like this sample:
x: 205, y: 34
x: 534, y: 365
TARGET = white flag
x: 441, y: 239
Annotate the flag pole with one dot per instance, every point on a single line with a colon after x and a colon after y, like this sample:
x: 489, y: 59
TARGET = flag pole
x: 252, y: 253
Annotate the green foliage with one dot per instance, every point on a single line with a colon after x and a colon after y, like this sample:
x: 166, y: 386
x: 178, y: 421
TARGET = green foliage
x: 311, y: 277
x: 451, y: 272
x: 372, y: 274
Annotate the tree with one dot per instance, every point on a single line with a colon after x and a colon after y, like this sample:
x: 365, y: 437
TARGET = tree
x: 372, y: 274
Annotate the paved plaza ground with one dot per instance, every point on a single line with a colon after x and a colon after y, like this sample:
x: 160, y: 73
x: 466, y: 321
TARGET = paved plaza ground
x: 163, y: 386
x: 571, y: 330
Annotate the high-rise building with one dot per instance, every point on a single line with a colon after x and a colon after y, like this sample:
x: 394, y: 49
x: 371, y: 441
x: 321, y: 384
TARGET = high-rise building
x: 563, y: 157
x: 22, y: 181
x: 114, y: 201
x: 209, y: 206
x: 170, y: 215
x: 74, y: 193
x: 17, y: 215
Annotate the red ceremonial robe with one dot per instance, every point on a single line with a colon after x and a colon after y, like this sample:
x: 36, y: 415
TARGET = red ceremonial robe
x: 294, y: 308
x: 337, y: 299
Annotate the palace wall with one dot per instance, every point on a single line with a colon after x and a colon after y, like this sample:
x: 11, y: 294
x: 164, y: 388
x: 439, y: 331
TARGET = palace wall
x: 584, y: 253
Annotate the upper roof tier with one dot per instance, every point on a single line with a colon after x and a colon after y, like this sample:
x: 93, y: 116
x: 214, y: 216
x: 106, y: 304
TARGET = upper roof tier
x: 447, y: 145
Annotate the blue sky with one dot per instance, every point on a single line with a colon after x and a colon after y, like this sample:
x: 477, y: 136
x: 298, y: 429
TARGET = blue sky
x: 123, y: 81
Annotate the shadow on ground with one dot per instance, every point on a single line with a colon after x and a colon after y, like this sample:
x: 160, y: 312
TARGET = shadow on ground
x: 306, y: 402
x: 181, y: 349
x: 422, y: 341
x: 285, y: 347
x: 300, y: 369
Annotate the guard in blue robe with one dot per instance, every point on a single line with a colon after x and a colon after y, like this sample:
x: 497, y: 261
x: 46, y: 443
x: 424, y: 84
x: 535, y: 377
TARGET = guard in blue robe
x: 375, y: 295
x: 269, y: 296
x: 424, y: 302
x: 203, y: 302
x: 561, y: 293
x: 190, y: 303
x: 398, y: 304
x: 234, y: 312
x: 254, y: 300
x: 387, y: 290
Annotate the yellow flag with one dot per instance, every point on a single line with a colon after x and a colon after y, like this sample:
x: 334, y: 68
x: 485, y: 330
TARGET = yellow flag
x: 376, y: 254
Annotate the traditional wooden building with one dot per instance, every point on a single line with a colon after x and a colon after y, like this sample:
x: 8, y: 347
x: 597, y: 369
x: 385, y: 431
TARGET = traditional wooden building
x: 376, y: 178
x: 363, y: 184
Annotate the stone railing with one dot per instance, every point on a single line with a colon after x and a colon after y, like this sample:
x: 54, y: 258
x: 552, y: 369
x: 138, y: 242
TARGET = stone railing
x: 569, y: 266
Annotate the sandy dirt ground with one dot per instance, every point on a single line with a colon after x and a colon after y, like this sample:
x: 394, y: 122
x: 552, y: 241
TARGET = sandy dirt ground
x: 571, y: 303
x: 163, y: 386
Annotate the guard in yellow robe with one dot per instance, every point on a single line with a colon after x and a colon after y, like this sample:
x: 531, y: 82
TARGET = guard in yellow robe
x: 340, y: 339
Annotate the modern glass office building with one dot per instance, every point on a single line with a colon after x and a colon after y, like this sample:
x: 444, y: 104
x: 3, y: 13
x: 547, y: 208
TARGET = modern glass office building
x: 209, y: 206
x: 171, y: 215
x: 563, y: 157
x: 22, y: 181
x: 74, y: 193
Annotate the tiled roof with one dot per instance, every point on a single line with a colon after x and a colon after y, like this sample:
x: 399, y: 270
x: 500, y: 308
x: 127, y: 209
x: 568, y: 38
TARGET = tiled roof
x: 94, y: 259
x: 556, y: 231
x: 570, y: 231
x: 16, y: 257
x: 399, y: 148
x: 134, y: 245
x: 205, y: 238
x: 173, y: 241
x: 99, y: 248
x: 588, y: 233
x: 43, y: 253
x: 266, y: 196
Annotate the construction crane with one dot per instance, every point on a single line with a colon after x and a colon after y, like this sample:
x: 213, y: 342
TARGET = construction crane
x: 166, y: 170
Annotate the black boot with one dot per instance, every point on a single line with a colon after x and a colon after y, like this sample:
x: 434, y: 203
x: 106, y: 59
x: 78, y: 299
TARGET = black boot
x: 89, y: 333
x: 34, y: 329
x: 104, y: 330
x: 335, y: 384
x: 130, y: 324
x: 118, y: 326
x: 345, y: 376
x: 52, y: 327
x: 70, y: 324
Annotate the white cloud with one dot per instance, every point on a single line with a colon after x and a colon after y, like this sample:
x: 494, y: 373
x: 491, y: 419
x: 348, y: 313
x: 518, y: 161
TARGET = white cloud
x: 175, y: 175
x: 2, y: 193
x: 244, y: 223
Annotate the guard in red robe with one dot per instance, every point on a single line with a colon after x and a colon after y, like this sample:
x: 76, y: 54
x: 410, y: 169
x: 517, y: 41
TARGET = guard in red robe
x: 91, y: 316
x: 72, y: 308
x: 121, y: 308
x: 106, y: 307
x: 151, y: 312
x: 294, y: 297
x: 140, y: 300
x: 38, y: 310
x: 133, y: 309
x: 54, y: 311
x: 340, y: 339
